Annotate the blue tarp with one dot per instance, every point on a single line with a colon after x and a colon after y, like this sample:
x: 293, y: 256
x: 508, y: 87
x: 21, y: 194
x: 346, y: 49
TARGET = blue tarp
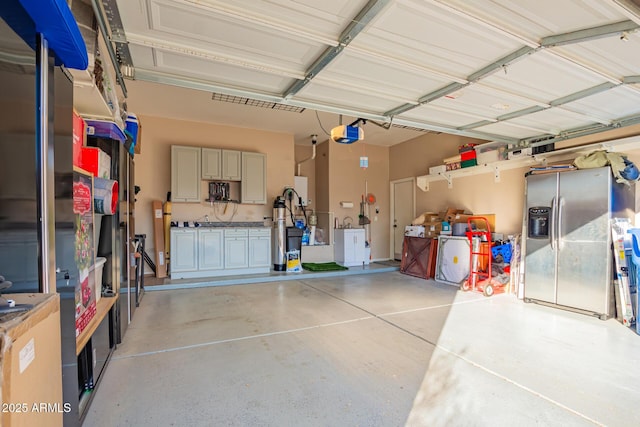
x: 54, y: 20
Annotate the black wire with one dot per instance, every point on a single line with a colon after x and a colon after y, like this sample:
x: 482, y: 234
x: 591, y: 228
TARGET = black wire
x: 304, y: 212
x: 320, y: 123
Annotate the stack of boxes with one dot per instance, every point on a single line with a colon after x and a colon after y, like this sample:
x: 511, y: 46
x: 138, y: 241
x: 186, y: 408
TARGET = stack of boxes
x: 431, y: 224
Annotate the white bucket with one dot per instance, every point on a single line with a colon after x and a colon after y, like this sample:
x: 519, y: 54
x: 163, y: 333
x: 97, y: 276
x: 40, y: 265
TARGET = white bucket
x: 97, y: 282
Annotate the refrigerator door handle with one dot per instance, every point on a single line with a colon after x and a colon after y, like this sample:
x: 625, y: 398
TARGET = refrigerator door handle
x: 552, y: 226
x: 560, y: 206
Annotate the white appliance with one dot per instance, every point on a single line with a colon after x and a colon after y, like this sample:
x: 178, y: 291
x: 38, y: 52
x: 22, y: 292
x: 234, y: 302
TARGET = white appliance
x: 452, y: 262
x: 568, y: 258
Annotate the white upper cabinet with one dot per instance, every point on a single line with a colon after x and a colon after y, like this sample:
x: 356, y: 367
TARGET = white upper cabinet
x: 211, y: 163
x: 231, y: 165
x: 185, y: 174
x: 253, y: 188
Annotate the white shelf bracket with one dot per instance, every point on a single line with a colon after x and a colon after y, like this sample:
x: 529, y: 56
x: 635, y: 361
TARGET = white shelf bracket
x: 496, y: 174
x: 449, y: 179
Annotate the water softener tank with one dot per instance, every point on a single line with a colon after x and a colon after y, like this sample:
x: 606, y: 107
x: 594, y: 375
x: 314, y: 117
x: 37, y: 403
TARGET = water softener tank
x: 279, y: 234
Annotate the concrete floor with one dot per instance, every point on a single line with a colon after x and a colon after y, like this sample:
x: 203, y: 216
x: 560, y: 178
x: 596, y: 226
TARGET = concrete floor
x: 365, y: 350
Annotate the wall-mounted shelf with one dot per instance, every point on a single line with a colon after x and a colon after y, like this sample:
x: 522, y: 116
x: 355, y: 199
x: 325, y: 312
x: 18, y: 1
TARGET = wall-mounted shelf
x: 494, y: 168
x: 565, y: 154
x: 87, y: 99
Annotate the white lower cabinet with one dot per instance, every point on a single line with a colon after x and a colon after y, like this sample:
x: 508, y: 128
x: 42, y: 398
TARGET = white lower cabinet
x: 209, y: 252
x: 236, y: 248
x: 210, y: 249
x: 184, y: 250
x: 349, y: 246
x: 260, y: 248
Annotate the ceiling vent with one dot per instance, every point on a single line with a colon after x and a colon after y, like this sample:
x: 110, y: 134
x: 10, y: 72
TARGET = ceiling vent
x: 414, y: 128
x: 255, y: 103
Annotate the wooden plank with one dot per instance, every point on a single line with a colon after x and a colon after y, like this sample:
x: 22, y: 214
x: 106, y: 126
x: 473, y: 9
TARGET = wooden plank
x: 158, y: 239
x: 102, y: 309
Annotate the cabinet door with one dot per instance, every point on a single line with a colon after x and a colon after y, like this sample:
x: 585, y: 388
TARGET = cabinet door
x: 184, y: 250
x: 259, y: 251
x: 254, y: 178
x: 211, y: 163
x: 210, y: 245
x: 236, y: 252
x: 231, y: 165
x: 185, y: 174
x: 358, y: 248
x: 350, y: 243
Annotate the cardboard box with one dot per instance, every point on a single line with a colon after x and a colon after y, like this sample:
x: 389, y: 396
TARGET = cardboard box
x: 468, y: 163
x: 452, y: 159
x: 480, y: 225
x: 460, y: 218
x: 450, y: 214
x: 433, y: 227
x: 426, y: 217
x: 414, y: 231
x: 31, y: 358
x: 435, y: 170
x: 95, y: 161
x: 453, y: 166
x: 520, y: 153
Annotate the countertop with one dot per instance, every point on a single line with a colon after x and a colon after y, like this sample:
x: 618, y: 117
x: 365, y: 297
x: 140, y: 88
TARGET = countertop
x: 238, y: 224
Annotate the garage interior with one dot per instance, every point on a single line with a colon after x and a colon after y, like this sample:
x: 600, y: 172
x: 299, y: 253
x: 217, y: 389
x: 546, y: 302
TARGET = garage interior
x: 546, y: 81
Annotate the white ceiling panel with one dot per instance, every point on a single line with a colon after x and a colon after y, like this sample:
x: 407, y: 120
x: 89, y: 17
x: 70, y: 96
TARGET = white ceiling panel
x: 231, y: 37
x: 552, y: 120
x: 236, y: 77
x: 373, y: 75
x: 334, y: 96
x: 615, y: 56
x: 433, y: 114
x: 509, y: 129
x: 309, y: 18
x: 533, y: 20
x: 421, y: 33
x: 144, y: 56
x: 543, y: 77
x: 484, y: 102
x: 614, y: 104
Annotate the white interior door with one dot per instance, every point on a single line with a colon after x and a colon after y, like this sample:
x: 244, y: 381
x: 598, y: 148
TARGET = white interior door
x: 403, y: 201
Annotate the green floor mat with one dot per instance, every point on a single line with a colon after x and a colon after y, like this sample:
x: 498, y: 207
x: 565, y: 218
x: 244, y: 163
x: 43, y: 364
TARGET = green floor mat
x: 322, y: 266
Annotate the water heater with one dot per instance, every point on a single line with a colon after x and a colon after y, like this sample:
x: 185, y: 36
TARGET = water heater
x: 301, y: 185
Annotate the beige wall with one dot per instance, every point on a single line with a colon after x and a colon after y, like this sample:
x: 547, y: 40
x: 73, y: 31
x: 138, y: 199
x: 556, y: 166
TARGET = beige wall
x: 347, y: 183
x: 153, y: 167
x: 322, y: 177
x: 416, y: 156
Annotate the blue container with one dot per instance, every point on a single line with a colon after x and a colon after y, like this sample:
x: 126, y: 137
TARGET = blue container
x: 504, y: 250
x: 634, y: 270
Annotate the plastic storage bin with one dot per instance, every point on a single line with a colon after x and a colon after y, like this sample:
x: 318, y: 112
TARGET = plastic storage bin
x: 504, y: 250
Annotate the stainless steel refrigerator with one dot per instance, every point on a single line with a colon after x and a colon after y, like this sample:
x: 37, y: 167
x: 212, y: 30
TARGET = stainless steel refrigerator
x: 568, y: 257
